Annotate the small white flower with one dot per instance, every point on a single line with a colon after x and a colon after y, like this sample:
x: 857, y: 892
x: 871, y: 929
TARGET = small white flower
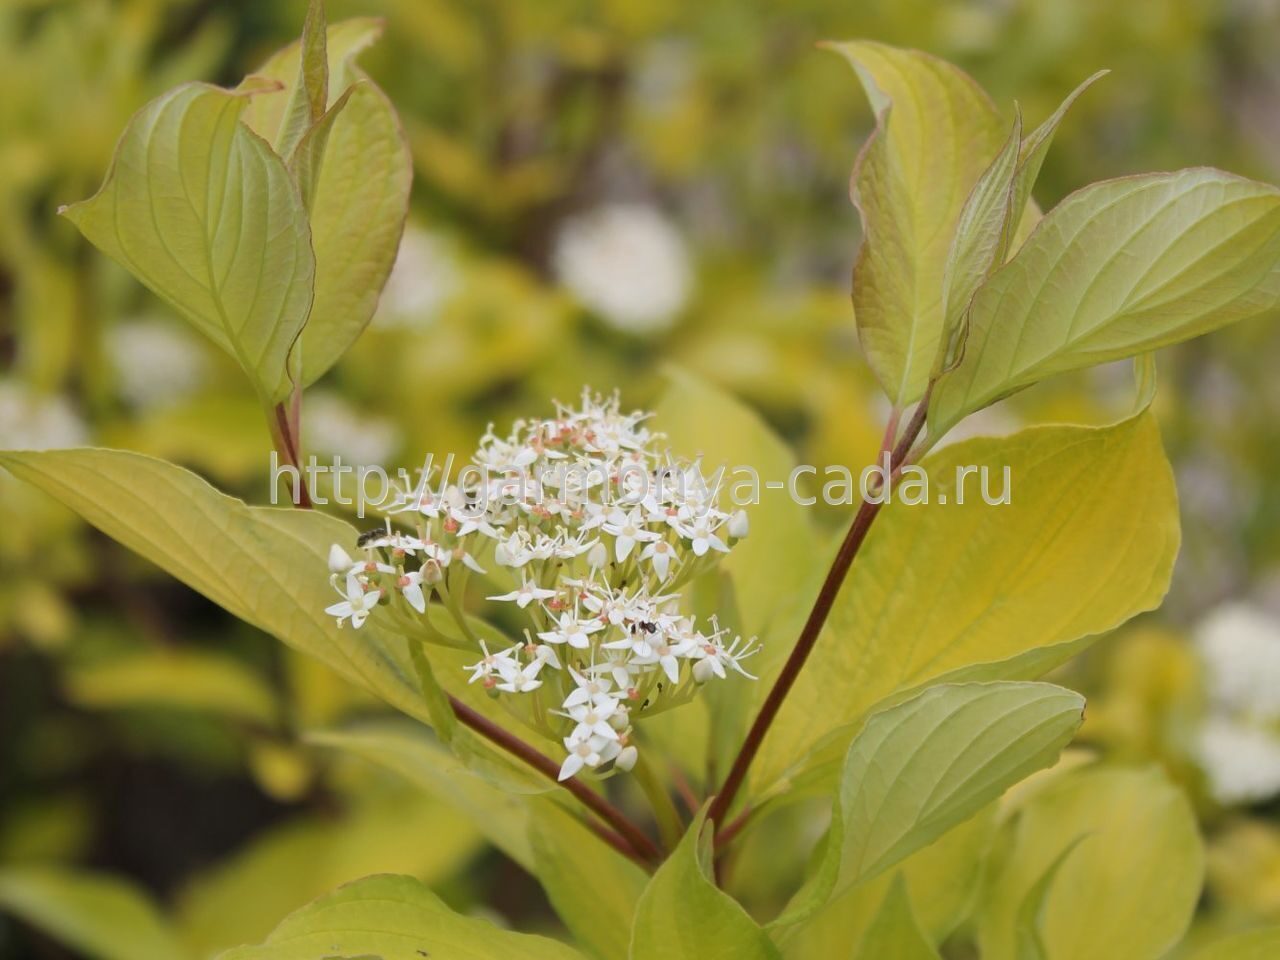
x: 519, y: 679
x: 397, y: 543
x: 568, y: 501
x: 581, y: 753
x: 590, y: 753
x: 493, y: 664
x: 569, y: 629
x: 567, y: 549
x: 513, y: 551
x: 592, y: 718
x: 356, y: 604
x: 411, y: 587
x: 628, y: 529
x: 542, y: 651
x: 525, y: 594
x: 666, y: 655
x: 659, y: 555
x: 713, y: 657
x: 701, y: 536
x: 588, y: 687
x: 620, y: 668
x: 739, y: 526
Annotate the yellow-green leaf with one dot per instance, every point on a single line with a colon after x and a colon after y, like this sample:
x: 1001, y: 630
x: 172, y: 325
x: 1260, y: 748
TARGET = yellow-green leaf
x: 309, y: 97
x: 361, y: 169
x: 1118, y: 268
x: 1087, y: 541
x: 265, y: 565
x: 307, y: 159
x: 1128, y: 889
x: 936, y: 132
x: 895, y: 931
x: 183, y: 678
x: 502, y: 817
x: 101, y: 917
x: 357, y: 216
x: 1261, y: 944
x: 393, y: 918
x: 682, y: 913
x: 941, y: 880
x: 201, y: 211
x: 344, y: 42
x: 1029, y: 945
x: 920, y: 768
x: 242, y: 898
x: 592, y: 887
x: 1033, y: 151
x: 976, y: 249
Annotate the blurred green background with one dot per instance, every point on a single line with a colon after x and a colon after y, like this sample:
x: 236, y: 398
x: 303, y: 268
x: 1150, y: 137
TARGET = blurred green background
x: 602, y: 189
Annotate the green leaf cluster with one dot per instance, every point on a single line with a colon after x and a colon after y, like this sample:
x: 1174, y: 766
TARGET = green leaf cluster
x: 267, y: 215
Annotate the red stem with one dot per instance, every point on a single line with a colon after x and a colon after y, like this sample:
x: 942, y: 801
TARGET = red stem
x: 286, y: 431
x: 853, y: 540
x: 628, y: 839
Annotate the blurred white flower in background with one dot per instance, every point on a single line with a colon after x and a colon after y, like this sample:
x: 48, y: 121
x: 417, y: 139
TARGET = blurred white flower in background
x: 331, y: 426
x: 626, y: 262
x: 423, y: 279
x: 156, y: 362
x: 29, y: 421
x: 1240, y: 645
x: 1239, y: 742
x: 1241, y: 761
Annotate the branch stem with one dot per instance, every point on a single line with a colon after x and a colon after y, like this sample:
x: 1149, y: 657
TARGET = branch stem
x: 284, y: 430
x: 638, y: 847
x: 866, y: 515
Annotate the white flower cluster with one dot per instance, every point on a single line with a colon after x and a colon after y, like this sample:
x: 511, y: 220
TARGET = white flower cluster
x: 1239, y: 743
x: 592, y: 532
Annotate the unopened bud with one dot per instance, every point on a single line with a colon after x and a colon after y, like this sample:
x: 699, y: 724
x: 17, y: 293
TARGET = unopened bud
x: 339, y: 560
x: 626, y: 758
x: 703, y: 671
x: 739, y: 525
x: 597, y: 556
x: 502, y: 555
